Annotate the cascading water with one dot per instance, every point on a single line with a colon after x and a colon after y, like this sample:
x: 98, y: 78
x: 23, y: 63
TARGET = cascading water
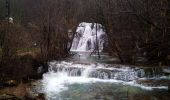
x: 66, y: 79
x: 63, y: 75
x: 85, y: 39
x: 98, y: 71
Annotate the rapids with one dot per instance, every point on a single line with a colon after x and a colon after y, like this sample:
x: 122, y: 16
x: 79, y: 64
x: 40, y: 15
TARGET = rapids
x: 74, y: 79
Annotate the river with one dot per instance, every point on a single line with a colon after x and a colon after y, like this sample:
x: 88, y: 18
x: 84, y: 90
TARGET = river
x: 84, y: 77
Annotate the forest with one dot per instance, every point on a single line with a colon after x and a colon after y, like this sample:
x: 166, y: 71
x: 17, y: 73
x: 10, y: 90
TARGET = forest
x: 35, y: 32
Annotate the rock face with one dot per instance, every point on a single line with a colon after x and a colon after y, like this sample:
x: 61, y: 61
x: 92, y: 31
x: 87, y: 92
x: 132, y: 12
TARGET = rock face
x: 85, y: 39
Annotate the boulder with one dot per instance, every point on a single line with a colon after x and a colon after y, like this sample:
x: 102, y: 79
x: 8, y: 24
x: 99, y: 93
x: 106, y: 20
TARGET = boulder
x: 40, y: 97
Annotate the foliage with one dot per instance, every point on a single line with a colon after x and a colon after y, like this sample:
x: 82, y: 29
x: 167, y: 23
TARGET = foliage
x: 135, y: 28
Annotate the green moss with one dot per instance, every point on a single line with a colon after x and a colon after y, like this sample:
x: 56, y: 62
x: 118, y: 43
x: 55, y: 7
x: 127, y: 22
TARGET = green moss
x: 22, y: 50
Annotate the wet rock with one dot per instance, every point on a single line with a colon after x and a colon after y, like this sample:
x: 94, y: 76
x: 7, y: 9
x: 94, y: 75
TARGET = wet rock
x: 5, y: 96
x: 31, y: 94
x: 40, y: 97
x: 32, y: 90
x: 9, y: 97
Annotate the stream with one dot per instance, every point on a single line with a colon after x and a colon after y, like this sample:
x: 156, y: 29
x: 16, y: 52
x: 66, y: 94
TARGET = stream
x: 84, y: 77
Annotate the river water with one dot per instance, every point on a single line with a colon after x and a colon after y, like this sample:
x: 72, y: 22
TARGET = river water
x: 84, y: 77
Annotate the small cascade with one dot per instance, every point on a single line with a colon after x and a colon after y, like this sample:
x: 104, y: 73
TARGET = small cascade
x: 85, y: 39
x: 97, y: 71
x: 64, y: 74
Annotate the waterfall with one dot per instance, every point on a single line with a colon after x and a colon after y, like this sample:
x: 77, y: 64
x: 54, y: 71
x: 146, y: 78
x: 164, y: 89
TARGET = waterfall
x: 106, y: 71
x: 85, y: 37
x: 63, y: 74
x: 97, y: 71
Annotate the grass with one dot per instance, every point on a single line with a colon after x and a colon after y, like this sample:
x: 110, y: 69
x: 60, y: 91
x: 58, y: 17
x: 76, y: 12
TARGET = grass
x: 23, y: 50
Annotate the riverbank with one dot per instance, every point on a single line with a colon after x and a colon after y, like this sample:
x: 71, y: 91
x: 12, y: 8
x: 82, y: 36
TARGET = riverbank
x: 27, y: 65
x: 22, y: 91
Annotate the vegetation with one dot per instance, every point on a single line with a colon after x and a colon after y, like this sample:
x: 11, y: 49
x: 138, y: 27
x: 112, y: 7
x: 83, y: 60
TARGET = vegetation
x: 34, y: 32
x: 135, y: 28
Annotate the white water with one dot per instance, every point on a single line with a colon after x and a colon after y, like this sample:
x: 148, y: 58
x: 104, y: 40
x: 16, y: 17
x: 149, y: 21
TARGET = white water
x: 62, y: 74
x: 85, y: 39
